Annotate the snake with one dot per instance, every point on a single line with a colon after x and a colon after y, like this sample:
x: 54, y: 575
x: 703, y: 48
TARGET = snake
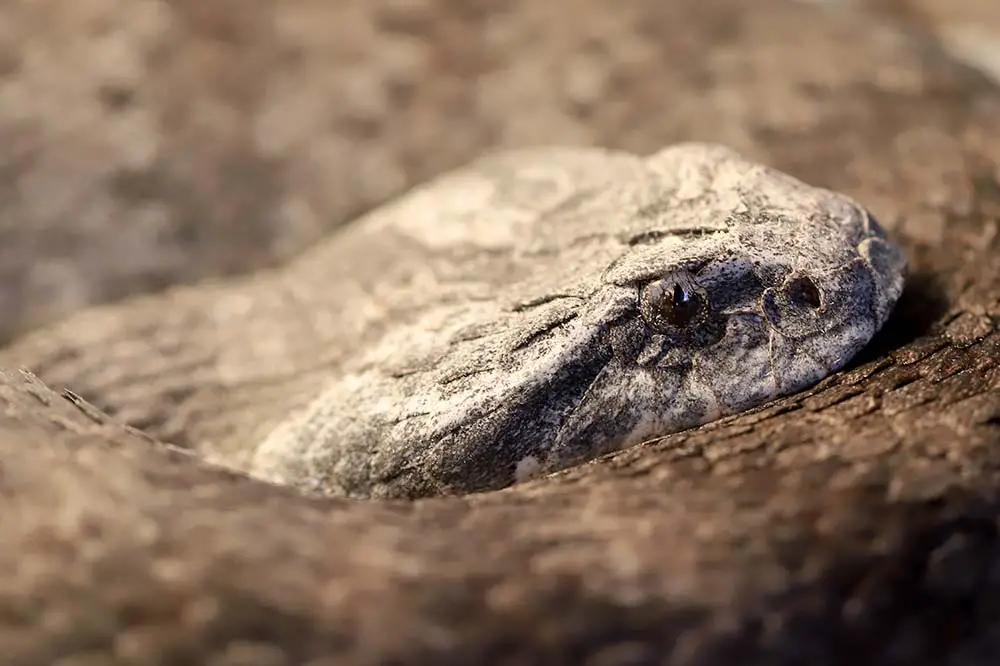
x: 531, y: 311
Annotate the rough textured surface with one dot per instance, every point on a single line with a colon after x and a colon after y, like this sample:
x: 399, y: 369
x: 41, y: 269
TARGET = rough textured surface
x: 513, y: 317
x: 853, y: 524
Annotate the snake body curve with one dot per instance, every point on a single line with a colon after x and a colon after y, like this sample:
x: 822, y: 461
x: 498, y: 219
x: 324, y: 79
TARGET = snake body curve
x: 525, y: 313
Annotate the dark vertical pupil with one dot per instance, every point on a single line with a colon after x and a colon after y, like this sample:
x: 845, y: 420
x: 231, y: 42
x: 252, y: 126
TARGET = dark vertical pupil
x: 681, y: 307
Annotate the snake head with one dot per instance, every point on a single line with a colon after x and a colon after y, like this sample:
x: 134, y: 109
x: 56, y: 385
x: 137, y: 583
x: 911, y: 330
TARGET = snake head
x: 577, y: 301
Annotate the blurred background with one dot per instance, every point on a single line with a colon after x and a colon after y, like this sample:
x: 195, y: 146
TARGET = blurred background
x: 155, y: 142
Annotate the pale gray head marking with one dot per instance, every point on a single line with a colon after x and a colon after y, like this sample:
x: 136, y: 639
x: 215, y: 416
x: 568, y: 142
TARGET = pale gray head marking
x: 700, y: 285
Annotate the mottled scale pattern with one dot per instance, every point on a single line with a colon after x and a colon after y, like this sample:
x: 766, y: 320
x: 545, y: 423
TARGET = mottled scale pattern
x: 528, y: 312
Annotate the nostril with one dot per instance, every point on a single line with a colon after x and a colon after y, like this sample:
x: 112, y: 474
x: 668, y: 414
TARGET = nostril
x: 803, y: 292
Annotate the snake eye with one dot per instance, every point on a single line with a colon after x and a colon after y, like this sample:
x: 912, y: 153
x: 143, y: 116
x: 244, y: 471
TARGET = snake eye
x: 673, y: 303
x: 803, y: 292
